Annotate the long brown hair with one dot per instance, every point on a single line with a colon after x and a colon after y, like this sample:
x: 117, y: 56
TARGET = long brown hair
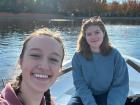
x: 44, y: 31
x: 82, y: 45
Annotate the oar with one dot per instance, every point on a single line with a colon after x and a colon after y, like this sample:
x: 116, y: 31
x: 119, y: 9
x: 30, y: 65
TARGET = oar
x: 66, y: 67
x: 65, y: 70
x: 133, y: 64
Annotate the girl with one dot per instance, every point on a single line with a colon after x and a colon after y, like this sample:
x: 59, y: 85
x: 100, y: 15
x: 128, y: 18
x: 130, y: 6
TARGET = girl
x: 40, y: 62
x: 100, y: 73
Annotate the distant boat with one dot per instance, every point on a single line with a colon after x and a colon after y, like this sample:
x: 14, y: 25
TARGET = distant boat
x: 63, y: 88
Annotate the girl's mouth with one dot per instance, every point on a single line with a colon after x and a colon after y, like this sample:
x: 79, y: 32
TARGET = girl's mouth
x: 43, y: 76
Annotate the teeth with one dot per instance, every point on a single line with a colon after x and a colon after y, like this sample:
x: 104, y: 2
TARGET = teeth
x: 40, y: 75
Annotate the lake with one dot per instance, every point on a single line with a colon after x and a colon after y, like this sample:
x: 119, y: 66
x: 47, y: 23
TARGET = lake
x: 126, y: 38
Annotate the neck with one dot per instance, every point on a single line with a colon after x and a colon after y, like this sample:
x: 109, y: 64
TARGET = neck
x: 96, y: 50
x: 30, y: 96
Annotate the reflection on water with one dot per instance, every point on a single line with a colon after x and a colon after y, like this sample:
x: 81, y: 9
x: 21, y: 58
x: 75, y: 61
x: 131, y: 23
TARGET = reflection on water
x: 125, y: 38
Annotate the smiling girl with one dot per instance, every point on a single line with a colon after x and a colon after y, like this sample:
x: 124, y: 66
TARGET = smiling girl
x: 100, y: 73
x: 40, y: 62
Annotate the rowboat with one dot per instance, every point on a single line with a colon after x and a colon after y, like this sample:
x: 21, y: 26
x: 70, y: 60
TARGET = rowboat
x: 63, y: 88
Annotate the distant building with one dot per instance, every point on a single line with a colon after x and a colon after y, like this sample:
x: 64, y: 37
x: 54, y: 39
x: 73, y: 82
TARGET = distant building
x: 102, y: 1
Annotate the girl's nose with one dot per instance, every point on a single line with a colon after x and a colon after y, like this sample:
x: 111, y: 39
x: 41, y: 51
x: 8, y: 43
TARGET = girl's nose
x: 44, y: 64
x: 93, y: 35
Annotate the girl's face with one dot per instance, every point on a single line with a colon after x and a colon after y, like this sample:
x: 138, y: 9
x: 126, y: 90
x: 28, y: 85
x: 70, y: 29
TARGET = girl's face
x: 41, y: 63
x: 94, y: 36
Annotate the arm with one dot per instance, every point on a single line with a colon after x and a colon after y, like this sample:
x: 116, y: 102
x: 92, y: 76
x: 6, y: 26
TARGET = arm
x: 120, y: 84
x: 80, y: 84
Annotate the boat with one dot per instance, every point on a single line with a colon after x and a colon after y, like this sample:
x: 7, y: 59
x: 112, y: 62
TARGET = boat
x: 63, y: 88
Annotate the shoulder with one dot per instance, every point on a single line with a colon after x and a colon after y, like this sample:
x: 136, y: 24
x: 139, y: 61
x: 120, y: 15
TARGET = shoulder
x: 118, y: 57
x: 78, y: 55
x: 115, y: 52
x: 77, y: 59
x: 8, y: 96
x: 3, y: 101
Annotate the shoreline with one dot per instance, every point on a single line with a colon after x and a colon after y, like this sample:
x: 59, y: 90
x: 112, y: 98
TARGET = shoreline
x: 53, y: 16
x: 60, y: 20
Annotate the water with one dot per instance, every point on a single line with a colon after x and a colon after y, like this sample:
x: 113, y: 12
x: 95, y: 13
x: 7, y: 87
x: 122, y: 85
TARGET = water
x: 125, y: 38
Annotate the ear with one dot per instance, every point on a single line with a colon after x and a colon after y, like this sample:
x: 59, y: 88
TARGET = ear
x: 20, y: 62
x: 104, y: 33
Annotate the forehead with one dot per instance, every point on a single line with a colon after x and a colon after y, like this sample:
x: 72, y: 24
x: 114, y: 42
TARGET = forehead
x: 45, y: 43
x: 93, y: 27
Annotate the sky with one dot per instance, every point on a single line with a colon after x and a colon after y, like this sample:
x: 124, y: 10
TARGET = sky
x: 120, y: 1
x: 114, y: 0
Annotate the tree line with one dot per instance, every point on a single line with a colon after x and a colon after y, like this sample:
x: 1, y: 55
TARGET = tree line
x: 72, y: 7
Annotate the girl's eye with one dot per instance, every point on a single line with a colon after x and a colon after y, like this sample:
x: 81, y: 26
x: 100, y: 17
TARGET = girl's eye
x: 89, y: 34
x: 35, y: 55
x: 97, y: 32
x: 54, y: 60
